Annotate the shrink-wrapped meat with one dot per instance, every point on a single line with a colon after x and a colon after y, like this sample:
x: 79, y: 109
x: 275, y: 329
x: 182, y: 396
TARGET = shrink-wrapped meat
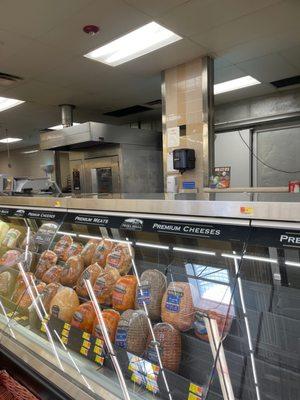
x: 21, y: 286
x: 4, y: 228
x: 104, y: 285
x: 10, y: 258
x: 223, y: 321
x: 88, y: 251
x: 74, y: 250
x: 61, y: 247
x: 177, y: 306
x: 84, y: 316
x: 7, y: 281
x: 48, y: 293
x: 64, y: 304
x: 133, y: 331
x: 90, y: 274
x: 121, y: 258
x: 72, y: 271
x: 102, y: 251
x: 111, y: 319
x: 123, y: 295
x: 168, y: 340
x: 29, y: 242
x: 47, y: 260
x: 52, y: 274
x: 26, y: 299
x: 11, y: 238
x: 151, y: 291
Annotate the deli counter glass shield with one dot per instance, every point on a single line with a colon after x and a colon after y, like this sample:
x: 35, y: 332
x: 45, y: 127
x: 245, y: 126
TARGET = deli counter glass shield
x: 121, y: 305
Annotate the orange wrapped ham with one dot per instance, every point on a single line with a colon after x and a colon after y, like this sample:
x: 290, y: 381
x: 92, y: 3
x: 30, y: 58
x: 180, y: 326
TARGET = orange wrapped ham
x: 61, y: 248
x: 84, y: 316
x: 52, y: 274
x: 21, y: 287
x: 26, y: 300
x: 177, y: 306
x: 91, y: 273
x: 47, y: 260
x: 64, y: 304
x: 48, y: 293
x: 75, y: 249
x: 102, y: 251
x: 223, y: 321
x: 111, y: 319
x: 121, y: 258
x: 104, y: 285
x: 88, y: 251
x: 123, y: 295
x: 72, y: 271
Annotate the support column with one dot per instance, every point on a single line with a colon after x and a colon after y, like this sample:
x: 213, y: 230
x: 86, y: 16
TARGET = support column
x: 187, y: 93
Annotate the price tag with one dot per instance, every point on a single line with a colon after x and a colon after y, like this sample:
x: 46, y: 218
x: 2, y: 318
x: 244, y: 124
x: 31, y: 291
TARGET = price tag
x: 64, y: 340
x: 86, y: 336
x: 196, y: 392
x: 84, y: 351
x: 97, y: 350
x: 67, y: 326
x: 99, y: 360
x: 99, y: 342
x: 86, y: 344
x: 192, y: 396
x: 65, y: 332
x: 44, y: 323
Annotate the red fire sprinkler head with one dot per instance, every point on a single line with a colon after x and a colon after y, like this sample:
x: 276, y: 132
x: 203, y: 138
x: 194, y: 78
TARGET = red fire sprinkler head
x: 91, y: 29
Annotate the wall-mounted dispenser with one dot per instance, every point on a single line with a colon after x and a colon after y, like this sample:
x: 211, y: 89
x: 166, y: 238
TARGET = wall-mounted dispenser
x: 184, y: 159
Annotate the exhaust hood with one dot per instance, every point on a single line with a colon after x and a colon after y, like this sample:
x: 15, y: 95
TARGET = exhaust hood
x: 90, y: 134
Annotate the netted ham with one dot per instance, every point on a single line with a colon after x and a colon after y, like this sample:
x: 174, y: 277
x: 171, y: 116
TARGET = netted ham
x: 123, y: 295
x: 71, y: 271
x: 61, y: 248
x: 90, y: 274
x: 111, y: 319
x: 64, y: 304
x: 133, y: 331
x: 102, y: 251
x: 121, y: 258
x: 168, y: 340
x: 52, y: 274
x: 150, y: 292
x: 84, y: 316
x: 177, y: 306
x: 88, y: 251
x: 104, y: 285
x: 47, y: 260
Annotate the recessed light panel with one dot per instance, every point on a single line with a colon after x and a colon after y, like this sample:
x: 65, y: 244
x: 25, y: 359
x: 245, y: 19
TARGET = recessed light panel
x: 235, y: 84
x: 135, y: 44
x: 6, y: 103
x: 10, y: 140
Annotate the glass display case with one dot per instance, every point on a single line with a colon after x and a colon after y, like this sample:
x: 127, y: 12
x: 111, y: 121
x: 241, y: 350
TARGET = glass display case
x: 143, y: 299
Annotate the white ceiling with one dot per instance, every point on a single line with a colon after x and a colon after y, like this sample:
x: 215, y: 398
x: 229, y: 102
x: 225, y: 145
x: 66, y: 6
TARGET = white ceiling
x: 42, y: 41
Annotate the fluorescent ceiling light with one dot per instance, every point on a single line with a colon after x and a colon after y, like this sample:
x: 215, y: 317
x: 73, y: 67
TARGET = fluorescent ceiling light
x: 10, y: 140
x: 6, y: 103
x: 30, y: 151
x: 154, y: 246
x: 67, y: 233
x: 254, y: 258
x: 292, y: 263
x: 137, y: 43
x: 58, y: 127
x: 185, y: 250
x: 235, y: 84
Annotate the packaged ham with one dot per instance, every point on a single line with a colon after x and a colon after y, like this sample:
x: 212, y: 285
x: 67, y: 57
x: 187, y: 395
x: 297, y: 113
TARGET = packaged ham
x: 26, y: 299
x: 75, y: 249
x: 21, y: 287
x: 111, y: 319
x: 7, y: 281
x: 222, y: 319
x: 177, y: 306
x: 88, y: 251
x: 84, y: 316
x: 29, y: 243
x: 26, y: 259
x: 45, y: 233
x: 102, y: 251
x: 133, y: 331
x: 168, y: 340
x: 104, y: 285
x: 4, y: 228
x: 47, y: 260
x: 10, y: 258
x: 64, y: 304
x: 71, y: 271
x: 48, y: 293
x: 151, y: 291
x: 91, y: 273
x: 61, y: 247
x: 52, y: 274
x: 11, y: 238
x: 121, y: 258
x: 123, y: 295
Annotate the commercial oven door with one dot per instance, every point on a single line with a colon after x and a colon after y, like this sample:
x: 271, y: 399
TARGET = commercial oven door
x: 102, y: 175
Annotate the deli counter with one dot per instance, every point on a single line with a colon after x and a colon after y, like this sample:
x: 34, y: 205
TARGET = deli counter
x: 151, y: 299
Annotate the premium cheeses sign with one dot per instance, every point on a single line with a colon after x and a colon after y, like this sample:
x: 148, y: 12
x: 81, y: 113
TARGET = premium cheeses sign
x: 45, y: 215
x: 187, y: 229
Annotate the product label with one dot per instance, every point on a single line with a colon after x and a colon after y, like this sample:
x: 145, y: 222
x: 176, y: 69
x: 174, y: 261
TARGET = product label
x: 152, y: 352
x: 78, y: 317
x: 121, y: 338
x: 55, y: 311
x: 118, y: 294
x: 99, y: 286
x: 144, y: 294
x: 114, y: 259
x: 132, y: 224
x: 173, y: 300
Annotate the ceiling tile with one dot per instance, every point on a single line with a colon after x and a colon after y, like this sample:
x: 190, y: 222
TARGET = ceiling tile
x: 268, y: 68
x: 155, y: 7
x: 11, y: 43
x: 197, y: 16
x: 236, y: 95
x: 292, y: 55
x: 228, y: 73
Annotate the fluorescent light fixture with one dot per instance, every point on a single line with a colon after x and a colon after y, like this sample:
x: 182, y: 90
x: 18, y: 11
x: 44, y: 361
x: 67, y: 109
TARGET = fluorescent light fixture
x: 235, y: 84
x: 6, y: 103
x: 185, y: 250
x: 231, y: 256
x: 58, y: 127
x: 118, y: 241
x: 137, y: 43
x: 90, y: 237
x: 254, y: 258
x: 10, y: 140
x: 67, y: 233
x: 30, y: 151
x: 292, y: 263
x: 154, y: 246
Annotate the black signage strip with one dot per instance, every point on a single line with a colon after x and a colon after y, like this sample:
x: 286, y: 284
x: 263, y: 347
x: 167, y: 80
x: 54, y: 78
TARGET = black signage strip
x: 47, y: 215
x: 273, y: 237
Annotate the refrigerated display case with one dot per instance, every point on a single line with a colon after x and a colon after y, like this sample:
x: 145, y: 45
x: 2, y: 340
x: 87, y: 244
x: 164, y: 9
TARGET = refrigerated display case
x: 143, y: 299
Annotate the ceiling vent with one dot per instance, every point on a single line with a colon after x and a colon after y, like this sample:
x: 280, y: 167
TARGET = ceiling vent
x: 154, y: 103
x: 124, y: 112
x: 8, y: 80
x: 281, y: 83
